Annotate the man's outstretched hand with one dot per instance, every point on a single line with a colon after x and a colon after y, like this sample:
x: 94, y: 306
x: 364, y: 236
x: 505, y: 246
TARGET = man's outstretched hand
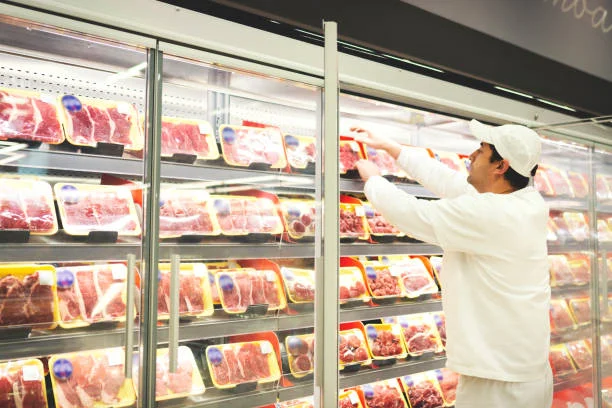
x: 377, y: 142
x: 367, y: 169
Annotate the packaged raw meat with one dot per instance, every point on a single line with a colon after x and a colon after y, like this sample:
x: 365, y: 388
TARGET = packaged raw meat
x: 86, y: 207
x: 91, y: 294
x: 353, y: 223
x: 22, y: 384
x: 385, y: 341
x: 604, y: 233
x: 301, y: 150
x: 579, y: 184
x: 296, y: 403
x: 28, y: 296
x: 213, y: 269
x: 436, y: 265
x: 300, y: 354
x: 580, y: 266
x: 541, y: 182
x: 27, y: 205
x: 558, y: 181
x: 422, y: 391
x: 236, y: 363
x: 195, y: 299
x: 300, y: 284
x: 414, y: 277
x: 383, y: 160
x: 351, y: 285
x: 349, y: 399
x: 577, y: 225
x: 560, y: 317
x: 350, y: 154
x: 581, y: 310
x: 606, y: 347
x: 560, y: 271
x: 243, y: 215
x: 241, y: 288
x: 420, y: 334
x: 28, y: 115
x: 88, y: 121
x: 186, y: 212
x: 185, y: 381
x: 603, y: 189
x: 382, y: 283
x: 383, y: 394
x: 188, y: 136
x: 91, y: 378
x: 243, y: 146
x: 581, y: 354
x: 377, y: 225
x: 299, y: 217
x: 352, y: 348
x: 440, y: 320
x: 560, y: 361
x: 551, y: 228
x: 447, y: 380
x: 451, y: 160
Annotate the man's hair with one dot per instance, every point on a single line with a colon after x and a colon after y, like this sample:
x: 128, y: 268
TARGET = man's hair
x: 516, y: 180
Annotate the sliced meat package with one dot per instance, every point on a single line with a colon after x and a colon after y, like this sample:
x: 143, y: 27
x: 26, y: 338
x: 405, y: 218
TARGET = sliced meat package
x: 579, y: 184
x: 560, y: 361
x: 299, y: 216
x: 300, y: 354
x: 353, y: 223
x: 385, y: 341
x: 88, y: 121
x: 22, y: 384
x: 351, y: 285
x: 384, y: 161
x: 420, y: 334
x: 560, y: 271
x: 383, y: 394
x: 349, y: 155
x: 91, y: 378
x: 242, y: 288
x: 300, y: 284
x: 581, y: 354
x: 27, y: 115
x: 414, y: 276
x: 213, y: 268
x: 236, y: 363
x: 27, y: 205
x: 28, y: 296
x: 91, y: 294
x: 558, y: 180
x: 447, y: 380
x: 603, y: 189
x: 87, y: 207
x: 560, y: 317
x: 377, y: 224
x: 195, y: 298
x: 352, y: 348
x: 185, y: 381
x: 423, y: 391
x: 186, y: 212
x: 349, y: 399
x: 188, y: 136
x: 243, y: 215
x: 580, y: 266
x: 577, y: 225
x: 381, y: 282
x: 301, y: 150
x: 581, y: 310
x: 243, y: 146
x: 542, y: 183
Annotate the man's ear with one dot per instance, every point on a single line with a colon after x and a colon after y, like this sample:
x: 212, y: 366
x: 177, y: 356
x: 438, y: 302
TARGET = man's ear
x: 502, y: 166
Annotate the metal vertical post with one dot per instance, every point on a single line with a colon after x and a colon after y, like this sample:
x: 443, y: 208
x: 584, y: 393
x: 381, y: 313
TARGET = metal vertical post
x: 328, y: 244
x: 148, y: 324
x: 129, y: 315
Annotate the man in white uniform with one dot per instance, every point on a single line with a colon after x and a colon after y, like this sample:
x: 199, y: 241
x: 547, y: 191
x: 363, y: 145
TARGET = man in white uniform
x: 495, y: 279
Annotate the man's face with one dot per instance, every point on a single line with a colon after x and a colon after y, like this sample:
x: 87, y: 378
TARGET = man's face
x: 482, y: 171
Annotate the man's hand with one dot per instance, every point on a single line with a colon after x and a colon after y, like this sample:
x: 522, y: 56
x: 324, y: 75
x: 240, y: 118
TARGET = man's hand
x: 377, y: 142
x: 367, y: 169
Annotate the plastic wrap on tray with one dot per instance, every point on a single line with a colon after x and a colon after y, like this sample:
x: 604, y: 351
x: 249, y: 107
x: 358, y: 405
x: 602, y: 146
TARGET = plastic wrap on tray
x: 237, y: 363
x: 420, y: 334
x: 352, y: 348
x: 581, y: 309
x: 558, y: 181
x: 300, y: 284
x: 560, y: 317
x: 89, y: 121
x: 541, y: 182
x: 423, y: 391
x: 242, y: 288
x: 577, y: 225
x: 243, y: 146
x: 604, y: 233
x: 84, y: 208
x: 602, y: 188
x: 377, y: 224
x: 28, y: 115
x: 560, y: 271
x: 91, y: 294
x: 300, y: 354
x: 22, y: 384
x: 580, y: 265
x: 184, y: 382
x: 351, y: 285
x: 188, y: 136
x: 440, y: 320
x: 382, y: 283
x: 385, y: 341
x: 581, y: 354
x: 186, y: 212
x: 195, y: 299
x: 579, y: 184
x: 353, y: 222
x: 383, y: 394
x: 349, y: 155
x: 384, y: 161
x: 560, y: 361
x: 301, y: 150
x: 414, y: 277
x: 243, y: 215
x: 91, y: 378
x: 28, y: 296
x: 447, y: 380
x: 349, y: 399
x: 299, y: 216
x: 27, y: 205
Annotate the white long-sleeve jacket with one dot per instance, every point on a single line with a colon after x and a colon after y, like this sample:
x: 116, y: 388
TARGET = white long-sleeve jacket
x: 495, y: 279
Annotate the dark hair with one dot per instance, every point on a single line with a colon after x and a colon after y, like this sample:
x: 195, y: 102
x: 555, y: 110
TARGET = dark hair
x: 516, y: 180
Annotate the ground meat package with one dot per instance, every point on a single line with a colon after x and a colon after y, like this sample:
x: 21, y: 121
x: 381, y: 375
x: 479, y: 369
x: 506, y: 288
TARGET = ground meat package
x: 299, y: 216
x: 378, y: 225
x: 301, y: 151
x: 28, y: 296
x: 352, y: 348
x: 447, y: 380
x: 84, y: 208
x: 213, y: 269
x: 300, y: 354
x: 414, y: 277
x: 243, y: 146
x: 420, y: 334
x: 188, y: 136
x: 28, y: 115
x: 423, y: 391
x: 560, y: 272
x: 581, y: 354
x: 384, y: 161
x: 236, y: 363
x: 353, y: 222
x: 88, y: 121
x: 27, y: 205
x: 244, y: 287
x: 91, y: 294
x: 350, y: 154
x: 22, y: 384
x: 351, y: 285
x: 382, y: 283
x: 560, y: 317
x: 385, y: 341
x: 300, y: 284
x: 383, y: 394
x: 560, y: 361
x: 91, y: 378
x: 244, y: 215
x: 349, y: 399
x: 186, y: 212
x: 581, y: 310
x: 195, y: 299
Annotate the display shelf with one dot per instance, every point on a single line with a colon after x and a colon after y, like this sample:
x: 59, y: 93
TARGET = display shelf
x: 570, y: 246
x: 214, y: 398
x: 398, y: 248
x: 51, y: 249
x: 567, y: 204
x: 397, y: 309
x: 570, y: 290
x: 580, y: 333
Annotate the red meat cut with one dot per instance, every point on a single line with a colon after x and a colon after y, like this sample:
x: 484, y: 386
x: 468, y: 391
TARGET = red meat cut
x: 184, y: 214
x: 352, y: 349
x: 12, y: 216
x: 420, y: 338
x: 386, y: 344
x: 560, y: 362
x: 28, y: 118
x: 93, y: 124
x: 16, y: 391
x: 26, y: 302
x: 378, y: 224
x: 384, y: 396
x: 425, y: 395
x: 244, y: 363
x: 39, y: 308
x: 183, y: 138
x: 350, y: 223
x: 384, y: 284
x: 348, y: 157
x: 448, y: 384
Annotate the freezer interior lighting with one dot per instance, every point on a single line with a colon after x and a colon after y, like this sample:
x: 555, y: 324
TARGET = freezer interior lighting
x: 514, y: 92
x: 309, y: 33
x: 274, y: 21
x: 557, y: 105
x: 356, y: 47
x: 407, y: 61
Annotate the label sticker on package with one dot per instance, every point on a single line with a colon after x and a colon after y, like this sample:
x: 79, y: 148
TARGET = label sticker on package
x: 353, y: 398
x: 266, y: 347
x: 204, y: 128
x: 396, y: 270
x: 359, y: 211
x: 30, y: 373
x: 270, y: 276
x: 47, y: 98
x: 355, y: 147
x: 45, y: 278
x: 123, y: 108
x: 115, y: 357
x: 200, y: 270
x: 119, y: 272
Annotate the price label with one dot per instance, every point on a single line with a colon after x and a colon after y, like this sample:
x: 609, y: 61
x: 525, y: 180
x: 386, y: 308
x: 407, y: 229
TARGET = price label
x: 266, y: 347
x: 355, y: 147
x: 359, y: 211
x: 204, y: 128
x: 47, y: 98
x: 30, y: 373
x: 200, y: 270
x: 270, y: 276
x: 123, y: 108
x: 45, y: 278
x: 396, y: 271
x: 115, y: 357
x: 353, y: 398
x: 119, y: 271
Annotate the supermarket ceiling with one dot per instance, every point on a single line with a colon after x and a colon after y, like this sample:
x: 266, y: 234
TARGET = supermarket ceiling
x: 548, y: 53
